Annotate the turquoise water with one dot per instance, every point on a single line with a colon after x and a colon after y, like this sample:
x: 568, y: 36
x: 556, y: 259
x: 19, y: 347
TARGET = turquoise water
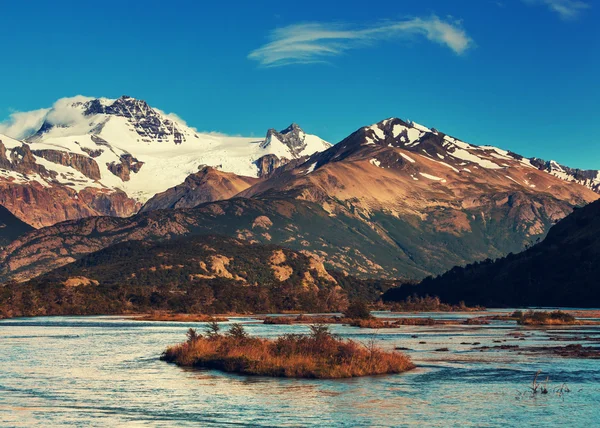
x: 105, y: 371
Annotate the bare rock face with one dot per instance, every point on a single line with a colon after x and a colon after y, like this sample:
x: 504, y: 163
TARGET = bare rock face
x: 269, y: 163
x: 83, y: 164
x: 41, y: 206
x: 20, y: 159
x: 112, y: 203
x: 128, y: 165
x: 92, y: 153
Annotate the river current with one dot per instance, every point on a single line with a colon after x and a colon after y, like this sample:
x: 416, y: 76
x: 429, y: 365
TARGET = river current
x: 105, y: 371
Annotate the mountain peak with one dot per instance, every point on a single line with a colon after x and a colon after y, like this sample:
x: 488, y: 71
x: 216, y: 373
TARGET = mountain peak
x: 293, y: 137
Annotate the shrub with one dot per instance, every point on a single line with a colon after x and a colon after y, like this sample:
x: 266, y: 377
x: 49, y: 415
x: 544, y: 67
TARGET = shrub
x: 546, y: 318
x: 237, y: 332
x: 192, y: 335
x: 213, y: 329
x: 358, y: 310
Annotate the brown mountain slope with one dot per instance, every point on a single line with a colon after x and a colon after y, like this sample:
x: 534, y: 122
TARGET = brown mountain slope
x: 401, y: 169
x: 207, y: 185
x: 41, y: 196
x: 394, y: 200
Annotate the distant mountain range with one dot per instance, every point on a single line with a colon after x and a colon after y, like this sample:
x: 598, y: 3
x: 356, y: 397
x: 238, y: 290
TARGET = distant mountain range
x: 108, y: 157
x: 562, y: 270
x: 393, y: 200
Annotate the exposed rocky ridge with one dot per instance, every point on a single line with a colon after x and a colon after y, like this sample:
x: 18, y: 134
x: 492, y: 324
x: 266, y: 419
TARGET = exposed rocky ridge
x: 207, y: 185
x: 403, y: 169
x: 83, y: 164
x: 292, y: 136
x: 269, y: 163
x: 562, y: 270
x: 589, y: 178
x: 11, y: 227
x: 148, y: 123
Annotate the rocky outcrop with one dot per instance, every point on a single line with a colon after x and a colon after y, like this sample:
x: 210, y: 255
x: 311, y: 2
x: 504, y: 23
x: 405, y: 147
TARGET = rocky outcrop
x: 20, y: 159
x: 128, y: 165
x: 93, y: 153
x: 292, y: 136
x: 207, y: 185
x: 269, y: 163
x: 38, y: 196
x: 81, y: 163
x: 586, y: 177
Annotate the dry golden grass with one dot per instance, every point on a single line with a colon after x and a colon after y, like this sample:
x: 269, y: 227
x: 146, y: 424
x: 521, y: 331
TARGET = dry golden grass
x: 164, y: 316
x: 320, y: 355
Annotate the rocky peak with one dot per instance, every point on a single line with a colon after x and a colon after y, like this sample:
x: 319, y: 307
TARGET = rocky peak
x: 293, y: 137
x: 148, y: 123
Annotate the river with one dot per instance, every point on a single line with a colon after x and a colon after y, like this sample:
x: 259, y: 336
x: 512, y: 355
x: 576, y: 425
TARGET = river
x: 105, y: 371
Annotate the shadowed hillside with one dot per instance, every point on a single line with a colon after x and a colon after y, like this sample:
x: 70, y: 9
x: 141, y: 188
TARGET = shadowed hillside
x: 11, y: 227
x: 562, y: 270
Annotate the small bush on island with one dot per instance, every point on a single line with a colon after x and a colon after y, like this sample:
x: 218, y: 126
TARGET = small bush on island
x: 358, y: 310
x: 415, y: 303
x: 320, y: 355
x: 543, y: 318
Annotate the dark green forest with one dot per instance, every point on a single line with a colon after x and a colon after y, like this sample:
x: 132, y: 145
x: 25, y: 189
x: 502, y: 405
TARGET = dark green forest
x: 176, y: 276
x: 562, y: 270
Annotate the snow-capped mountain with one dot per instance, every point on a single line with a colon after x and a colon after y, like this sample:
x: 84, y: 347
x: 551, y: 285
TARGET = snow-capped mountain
x: 393, y: 199
x: 134, y: 144
x: 124, y: 146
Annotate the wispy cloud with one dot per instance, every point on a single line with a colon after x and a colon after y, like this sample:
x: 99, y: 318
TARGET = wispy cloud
x: 315, y: 42
x: 566, y: 9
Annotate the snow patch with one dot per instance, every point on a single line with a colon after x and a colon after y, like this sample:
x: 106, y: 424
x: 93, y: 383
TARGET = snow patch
x: 408, y: 158
x: 375, y: 162
x: 432, y: 177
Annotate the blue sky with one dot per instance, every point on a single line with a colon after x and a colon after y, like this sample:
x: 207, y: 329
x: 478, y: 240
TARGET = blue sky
x: 518, y: 74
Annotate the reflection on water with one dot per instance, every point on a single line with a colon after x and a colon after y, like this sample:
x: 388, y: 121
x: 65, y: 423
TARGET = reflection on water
x: 105, y: 371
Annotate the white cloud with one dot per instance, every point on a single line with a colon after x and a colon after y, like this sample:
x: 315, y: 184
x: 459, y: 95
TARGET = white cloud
x: 566, y: 9
x: 22, y: 124
x: 314, y: 42
x: 63, y: 113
